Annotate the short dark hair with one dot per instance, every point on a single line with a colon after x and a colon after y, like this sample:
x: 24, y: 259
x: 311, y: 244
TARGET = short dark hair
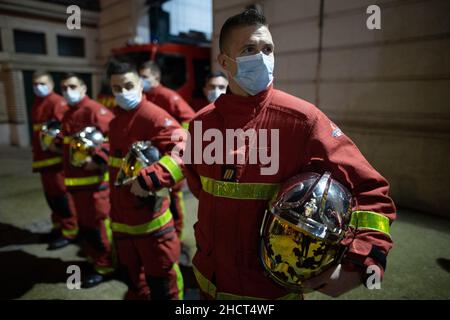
x: 215, y: 74
x: 118, y: 67
x: 69, y: 75
x: 42, y: 73
x: 250, y: 17
x: 154, y: 68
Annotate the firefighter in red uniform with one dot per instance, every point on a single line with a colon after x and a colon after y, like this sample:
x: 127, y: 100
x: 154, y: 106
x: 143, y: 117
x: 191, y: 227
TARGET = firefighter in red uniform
x: 87, y: 178
x: 143, y: 230
x: 178, y: 108
x: 234, y: 197
x: 50, y: 106
x: 216, y: 83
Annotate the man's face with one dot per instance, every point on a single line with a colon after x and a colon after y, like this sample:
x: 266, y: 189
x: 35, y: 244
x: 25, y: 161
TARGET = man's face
x: 74, y: 84
x: 245, y: 41
x: 147, y: 74
x: 219, y: 83
x: 43, y: 80
x: 121, y: 83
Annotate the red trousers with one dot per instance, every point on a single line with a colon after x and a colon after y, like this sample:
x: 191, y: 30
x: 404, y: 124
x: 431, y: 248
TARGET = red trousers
x: 63, y: 217
x: 157, y: 255
x: 177, y: 208
x: 92, y: 208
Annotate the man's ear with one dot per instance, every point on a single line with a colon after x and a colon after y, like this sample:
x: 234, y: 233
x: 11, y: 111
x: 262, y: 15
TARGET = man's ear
x: 221, y: 59
x: 84, y: 88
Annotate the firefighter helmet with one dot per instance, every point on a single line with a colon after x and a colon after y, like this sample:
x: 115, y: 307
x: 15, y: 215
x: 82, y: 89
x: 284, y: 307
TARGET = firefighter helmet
x: 302, y: 230
x: 141, y: 155
x: 83, y: 143
x: 49, y: 131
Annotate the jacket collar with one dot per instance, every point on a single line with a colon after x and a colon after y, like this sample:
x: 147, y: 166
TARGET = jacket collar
x: 229, y: 103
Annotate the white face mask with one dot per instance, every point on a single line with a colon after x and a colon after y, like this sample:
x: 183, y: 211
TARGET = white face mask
x: 214, y: 94
x: 254, y: 73
x: 146, y: 84
x: 72, y: 96
x: 41, y: 90
x: 128, y: 100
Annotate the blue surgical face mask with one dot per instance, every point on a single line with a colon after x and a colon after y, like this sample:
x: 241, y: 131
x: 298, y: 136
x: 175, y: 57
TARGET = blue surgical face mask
x: 128, y: 100
x: 146, y: 84
x: 214, y: 94
x: 72, y: 96
x: 254, y: 73
x: 41, y: 90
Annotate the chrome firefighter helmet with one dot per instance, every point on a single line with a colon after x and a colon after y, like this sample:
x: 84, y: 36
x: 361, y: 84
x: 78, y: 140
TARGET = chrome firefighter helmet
x: 49, y: 131
x: 302, y: 230
x: 83, y: 143
x: 141, y: 155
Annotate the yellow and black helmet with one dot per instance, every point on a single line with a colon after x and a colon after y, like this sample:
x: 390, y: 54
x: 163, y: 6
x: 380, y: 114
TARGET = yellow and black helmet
x: 141, y: 155
x: 83, y: 143
x: 49, y: 131
x: 302, y: 230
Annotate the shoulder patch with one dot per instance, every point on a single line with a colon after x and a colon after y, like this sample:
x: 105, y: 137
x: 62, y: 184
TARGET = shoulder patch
x: 167, y: 122
x: 336, y: 131
x: 102, y: 111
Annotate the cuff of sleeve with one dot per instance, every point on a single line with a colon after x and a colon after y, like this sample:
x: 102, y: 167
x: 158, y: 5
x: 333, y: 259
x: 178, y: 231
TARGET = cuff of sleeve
x: 143, y: 183
x: 99, y: 159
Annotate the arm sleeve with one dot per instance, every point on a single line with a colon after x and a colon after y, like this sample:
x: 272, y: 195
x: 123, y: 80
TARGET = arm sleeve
x: 101, y: 119
x: 59, y: 109
x: 329, y: 149
x: 168, y: 171
x: 183, y: 110
x: 192, y: 177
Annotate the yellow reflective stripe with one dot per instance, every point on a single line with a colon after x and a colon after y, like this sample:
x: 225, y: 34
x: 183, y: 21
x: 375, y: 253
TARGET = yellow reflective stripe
x: 109, y: 235
x: 37, y: 126
x: 56, y: 225
x: 370, y: 220
x: 183, y: 209
x: 180, y: 282
x: 47, y: 162
x: 205, y: 285
x: 69, y: 233
x: 172, y: 166
x: 235, y: 190
x: 115, y: 162
x: 144, y: 228
x: 103, y: 270
x: 185, y: 125
x: 209, y: 288
x: 71, y: 182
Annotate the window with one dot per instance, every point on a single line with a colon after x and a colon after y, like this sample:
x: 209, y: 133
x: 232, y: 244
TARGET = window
x: 70, y: 46
x: 173, y: 69
x: 202, y: 68
x: 29, y: 42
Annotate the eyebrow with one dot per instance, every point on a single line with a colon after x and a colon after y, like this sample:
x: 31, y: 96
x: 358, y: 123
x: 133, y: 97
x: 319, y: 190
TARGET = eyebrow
x: 247, y: 45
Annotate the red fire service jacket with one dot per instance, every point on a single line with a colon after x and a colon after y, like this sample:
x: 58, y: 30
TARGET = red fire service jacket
x: 233, y: 199
x: 50, y: 107
x: 172, y: 102
x: 87, y: 113
x: 132, y: 215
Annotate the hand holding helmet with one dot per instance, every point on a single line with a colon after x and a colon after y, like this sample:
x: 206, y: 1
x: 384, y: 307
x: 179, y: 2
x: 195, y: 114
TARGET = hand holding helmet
x: 302, y: 231
x: 142, y: 154
x: 48, y: 136
x: 83, y: 144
